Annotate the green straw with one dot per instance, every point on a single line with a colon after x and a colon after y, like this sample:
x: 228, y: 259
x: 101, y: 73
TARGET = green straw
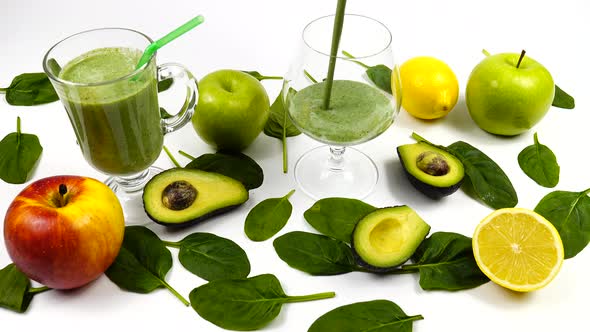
x: 153, y: 47
x: 336, y: 33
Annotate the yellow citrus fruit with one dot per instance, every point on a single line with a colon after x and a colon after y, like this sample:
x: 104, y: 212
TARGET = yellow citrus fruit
x: 429, y: 87
x: 518, y: 249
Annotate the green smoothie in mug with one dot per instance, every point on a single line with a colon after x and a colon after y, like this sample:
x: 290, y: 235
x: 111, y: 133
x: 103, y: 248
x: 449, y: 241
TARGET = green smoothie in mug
x: 117, y: 121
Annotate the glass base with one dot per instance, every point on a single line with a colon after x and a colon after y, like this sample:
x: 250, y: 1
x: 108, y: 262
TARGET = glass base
x: 330, y: 172
x: 129, y: 191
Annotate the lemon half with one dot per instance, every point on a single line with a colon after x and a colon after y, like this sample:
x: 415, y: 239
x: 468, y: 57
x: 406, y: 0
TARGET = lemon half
x: 518, y: 249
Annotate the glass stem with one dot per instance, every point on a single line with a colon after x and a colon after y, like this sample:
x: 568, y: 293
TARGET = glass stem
x: 336, y: 161
x: 128, y: 184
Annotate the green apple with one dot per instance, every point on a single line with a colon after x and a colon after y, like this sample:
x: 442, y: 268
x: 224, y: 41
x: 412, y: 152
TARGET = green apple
x: 232, y: 109
x: 509, y: 93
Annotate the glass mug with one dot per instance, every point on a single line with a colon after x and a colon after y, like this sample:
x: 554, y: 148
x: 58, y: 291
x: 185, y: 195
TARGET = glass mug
x: 117, y: 119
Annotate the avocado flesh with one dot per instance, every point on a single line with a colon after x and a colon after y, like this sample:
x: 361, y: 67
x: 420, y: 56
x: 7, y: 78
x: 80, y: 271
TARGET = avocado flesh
x: 388, y: 237
x: 432, y: 185
x: 215, y: 193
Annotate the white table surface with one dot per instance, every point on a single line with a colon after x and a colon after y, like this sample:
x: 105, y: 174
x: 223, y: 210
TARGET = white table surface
x: 262, y: 35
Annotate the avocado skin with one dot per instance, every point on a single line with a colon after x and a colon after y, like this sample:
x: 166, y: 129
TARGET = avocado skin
x: 195, y: 220
x: 371, y: 268
x: 428, y: 189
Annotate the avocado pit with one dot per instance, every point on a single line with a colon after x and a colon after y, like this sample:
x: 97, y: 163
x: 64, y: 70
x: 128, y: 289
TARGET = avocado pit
x: 179, y: 195
x: 432, y: 163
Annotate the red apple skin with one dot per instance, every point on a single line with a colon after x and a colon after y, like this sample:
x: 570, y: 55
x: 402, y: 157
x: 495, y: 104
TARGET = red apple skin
x: 69, y: 246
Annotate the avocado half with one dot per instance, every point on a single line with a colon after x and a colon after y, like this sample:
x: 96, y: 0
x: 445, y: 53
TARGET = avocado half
x: 180, y: 196
x: 387, y: 237
x: 431, y: 170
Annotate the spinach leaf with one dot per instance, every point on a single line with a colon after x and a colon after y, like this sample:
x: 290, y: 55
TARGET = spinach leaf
x: 30, y: 89
x: 315, y: 254
x: 377, y: 315
x: 18, y: 155
x: 212, y: 257
x: 569, y: 212
x: 235, y: 165
x: 14, y: 286
x: 280, y: 126
x: 539, y: 163
x: 142, y: 263
x: 268, y: 217
x: 445, y: 262
x: 563, y: 100
x: 261, y: 77
x: 54, y: 67
x: 16, y: 292
x: 380, y: 75
x: 165, y: 84
x: 489, y: 181
x: 336, y: 217
x: 244, y: 304
x: 164, y: 114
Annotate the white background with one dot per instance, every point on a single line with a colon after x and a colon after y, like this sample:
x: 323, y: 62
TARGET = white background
x: 262, y: 35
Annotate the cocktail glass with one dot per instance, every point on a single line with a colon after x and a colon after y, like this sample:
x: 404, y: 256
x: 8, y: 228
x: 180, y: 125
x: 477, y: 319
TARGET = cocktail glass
x: 358, y: 112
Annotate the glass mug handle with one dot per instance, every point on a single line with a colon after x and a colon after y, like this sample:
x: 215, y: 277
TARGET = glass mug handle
x: 180, y: 74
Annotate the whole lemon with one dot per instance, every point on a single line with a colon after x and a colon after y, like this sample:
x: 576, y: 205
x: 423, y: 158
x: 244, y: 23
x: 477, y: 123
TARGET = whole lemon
x: 429, y: 87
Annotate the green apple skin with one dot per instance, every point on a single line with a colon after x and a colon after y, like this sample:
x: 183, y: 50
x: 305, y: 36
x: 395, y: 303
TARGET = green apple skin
x: 505, y: 100
x: 231, y: 111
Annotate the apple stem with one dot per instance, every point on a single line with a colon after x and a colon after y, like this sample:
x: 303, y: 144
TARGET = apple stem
x: 63, y: 189
x: 520, y: 59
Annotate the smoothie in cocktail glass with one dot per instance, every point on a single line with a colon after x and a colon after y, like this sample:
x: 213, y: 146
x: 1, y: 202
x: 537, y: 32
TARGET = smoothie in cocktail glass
x: 358, y: 110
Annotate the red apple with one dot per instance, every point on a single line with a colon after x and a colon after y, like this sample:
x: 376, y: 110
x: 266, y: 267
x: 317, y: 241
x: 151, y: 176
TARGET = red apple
x: 64, y: 231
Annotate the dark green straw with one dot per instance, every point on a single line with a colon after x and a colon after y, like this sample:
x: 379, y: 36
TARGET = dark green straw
x: 336, y: 33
